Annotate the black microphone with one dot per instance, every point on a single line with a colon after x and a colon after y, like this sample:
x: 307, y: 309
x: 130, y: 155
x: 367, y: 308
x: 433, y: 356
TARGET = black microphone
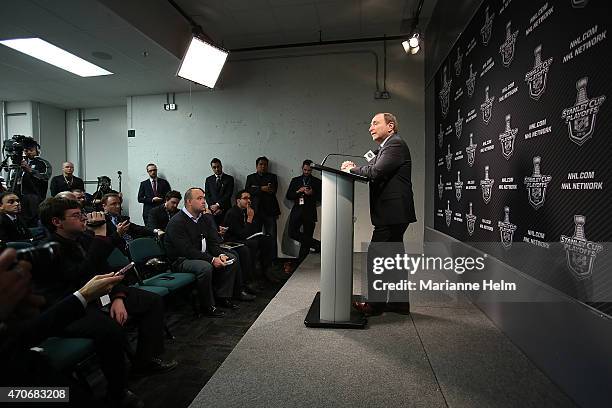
x: 339, y: 154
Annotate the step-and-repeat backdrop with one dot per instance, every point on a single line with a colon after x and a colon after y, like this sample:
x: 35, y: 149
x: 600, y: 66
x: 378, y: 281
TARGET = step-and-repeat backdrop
x: 524, y: 137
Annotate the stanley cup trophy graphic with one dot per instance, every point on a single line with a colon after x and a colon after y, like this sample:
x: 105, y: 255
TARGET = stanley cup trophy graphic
x: 449, y: 159
x: 458, y: 62
x: 470, y: 150
x: 448, y: 212
x: 486, y: 186
x: 507, y: 48
x: 536, y: 185
x: 445, y: 93
x: 507, y: 139
x: 506, y: 229
x: 440, y: 136
x: 459, y: 124
x: 579, y: 251
x: 536, y: 78
x: 580, y: 118
x: 470, y: 219
x: 485, y: 31
x: 458, y: 186
x: 440, y: 188
x: 487, y: 106
x: 469, y: 83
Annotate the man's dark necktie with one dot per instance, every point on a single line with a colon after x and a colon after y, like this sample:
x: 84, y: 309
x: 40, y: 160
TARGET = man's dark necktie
x: 154, y: 187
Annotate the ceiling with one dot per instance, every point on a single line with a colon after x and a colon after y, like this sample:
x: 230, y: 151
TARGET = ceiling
x: 143, y: 49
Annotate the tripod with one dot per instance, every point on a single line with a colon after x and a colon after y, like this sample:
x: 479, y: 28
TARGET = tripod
x: 14, y: 175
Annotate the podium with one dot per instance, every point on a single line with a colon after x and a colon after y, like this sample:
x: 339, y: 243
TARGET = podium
x: 331, y: 307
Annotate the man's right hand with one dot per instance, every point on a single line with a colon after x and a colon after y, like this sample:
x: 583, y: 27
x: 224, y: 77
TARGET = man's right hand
x: 99, y: 285
x: 97, y: 217
x: 157, y: 200
x: 250, y: 214
x: 217, y: 263
x: 123, y: 227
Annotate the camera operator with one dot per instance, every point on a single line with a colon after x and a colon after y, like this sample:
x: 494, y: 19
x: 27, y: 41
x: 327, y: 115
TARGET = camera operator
x: 19, y: 330
x: 104, y: 187
x: 35, y: 174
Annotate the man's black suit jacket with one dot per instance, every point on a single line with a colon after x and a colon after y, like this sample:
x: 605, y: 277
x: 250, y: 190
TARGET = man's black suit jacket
x: 145, y: 194
x: 159, y: 217
x: 20, y: 335
x: 80, y: 260
x: 391, y: 199
x: 11, y: 231
x: 183, y: 238
x: 238, y: 229
x: 134, y: 231
x: 223, y: 195
x: 58, y: 184
x: 309, y: 208
x: 265, y: 203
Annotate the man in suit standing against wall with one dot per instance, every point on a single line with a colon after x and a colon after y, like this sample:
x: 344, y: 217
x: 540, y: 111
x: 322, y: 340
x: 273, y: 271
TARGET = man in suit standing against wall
x: 66, y: 181
x: 152, y: 191
x: 305, y: 192
x: 262, y: 186
x: 219, y: 189
x: 391, y: 204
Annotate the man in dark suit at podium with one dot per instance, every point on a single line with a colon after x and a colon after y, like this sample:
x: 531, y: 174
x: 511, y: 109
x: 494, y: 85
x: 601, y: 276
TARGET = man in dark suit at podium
x: 391, y: 202
x: 219, y: 189
x: 152, y: 191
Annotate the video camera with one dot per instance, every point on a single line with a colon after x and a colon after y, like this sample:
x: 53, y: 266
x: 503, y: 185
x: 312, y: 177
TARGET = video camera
x: 42, y: 257
x: 14, y: 146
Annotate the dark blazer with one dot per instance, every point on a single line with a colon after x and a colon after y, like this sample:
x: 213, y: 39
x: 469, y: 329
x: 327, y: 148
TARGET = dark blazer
x: 13, y: 230
x: 145, y: 194
x: 159, y: 217
x: 183, y: 239
x: 80, y: 260
x: 58, y: 184
x: 391, y: 200
x: 135, y: 231
x: 21, y: 335
x: 223, y: 195
x: 237, y: 227
x: 265, y: 203
x: 309, y: 208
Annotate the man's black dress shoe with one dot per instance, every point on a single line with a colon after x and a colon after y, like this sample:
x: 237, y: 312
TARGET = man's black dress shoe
x: 227, y: 304
x: 155, y: 366
x: 368, y: 309
x: 245, y: 297
x: 213, y: 312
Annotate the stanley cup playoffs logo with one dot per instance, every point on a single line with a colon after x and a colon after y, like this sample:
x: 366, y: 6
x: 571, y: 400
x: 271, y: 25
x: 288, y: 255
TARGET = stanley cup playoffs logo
x: 506, y: 229
x: 487, y: 106
x: 486, y: 186
x: 469, y: 83
x: 579, y: 251
x: 486, y: 29
x: 580, y: 118
x: 470, y: 219
x: 458, y: 62
x: 507, y: 48
x: 507, y: 139
x: 536, y: 185
x: 536, y: 78
x: 458, y: 124
x: 458, y: 186
x: 445, y: 93
x: 470, y: 150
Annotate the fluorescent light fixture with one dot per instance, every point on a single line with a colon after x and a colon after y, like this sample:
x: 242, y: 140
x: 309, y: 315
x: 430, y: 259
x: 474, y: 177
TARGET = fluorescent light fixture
x: 202, y: 63
x: 49, y: 53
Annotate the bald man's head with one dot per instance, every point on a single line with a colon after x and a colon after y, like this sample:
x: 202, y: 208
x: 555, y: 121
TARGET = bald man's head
x: 68, y: 169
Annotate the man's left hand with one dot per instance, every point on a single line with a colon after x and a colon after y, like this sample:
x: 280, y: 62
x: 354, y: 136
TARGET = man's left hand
x: 118, y: 312
x: 347, y: 166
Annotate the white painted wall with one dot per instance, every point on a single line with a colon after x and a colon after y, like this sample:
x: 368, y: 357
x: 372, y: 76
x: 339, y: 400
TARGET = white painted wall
x: 22, y: 124
x: 105, y: 146
x: 288, y: 109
